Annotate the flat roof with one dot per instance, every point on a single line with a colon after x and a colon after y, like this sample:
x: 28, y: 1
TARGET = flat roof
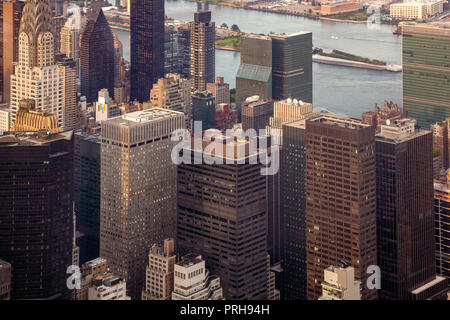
x: 288, y: 35
x: 144, y: 116
x: 31, y: 138
x: 339, y: 121
x: 190, y: 260
x: 428, y: 285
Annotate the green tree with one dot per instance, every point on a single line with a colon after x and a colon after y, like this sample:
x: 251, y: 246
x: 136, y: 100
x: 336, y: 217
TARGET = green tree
x: 235, y: 28
x: 224, y: 25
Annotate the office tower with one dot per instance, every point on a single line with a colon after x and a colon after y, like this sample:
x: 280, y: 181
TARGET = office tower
x: 96, y: 56
x: 171, y: 50
x: 12, y: 14
x: 441, y: 138
x: 441, y: 225
x: 37, y: 219
x: 5, y: 280
x: 256, y: 113
x: 204, y: 109
x: 292, y: 66
x: 293, y: 210
x: 36, y: 74
x: 192, y: 280
x: 88, y: 203
x: 172, y: 92
x: 70, y: 38
x: 147, y: 46
x: 159, y: 272
x: 184, y: 46
x: 379, y: 115
x: 272, y: 292
x: 288, y: 110
x: 71, y: 112
x: 340, y: 199
x: 220, y: 90
x: 426, y: 91
x: 4, y: 118
x: 58, y: 23
x: 254, y: 76
x: 105, y: 108
x: 225, y: 117
x: 340, y: 284
x: 110, y: 287
x: 28, y: 119
x: 203, y: 36
x: 222, y: 214
x: 141, y: 209
x: 118, y: 55
x: 405, y: 215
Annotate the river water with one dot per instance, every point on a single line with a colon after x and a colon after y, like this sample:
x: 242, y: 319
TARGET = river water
x: 336, y: 88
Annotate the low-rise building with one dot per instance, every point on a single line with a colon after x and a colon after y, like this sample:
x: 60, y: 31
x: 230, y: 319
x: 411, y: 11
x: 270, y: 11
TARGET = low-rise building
x: 416, y: 10
x: 340, y: 284
x: 193, y: 282
x: 5, y: 280
x: 340, y: 7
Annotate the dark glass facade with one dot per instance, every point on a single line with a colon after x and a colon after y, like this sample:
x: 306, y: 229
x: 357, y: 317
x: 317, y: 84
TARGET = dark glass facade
x: 292, y: 66
x: 147, y: 46
x: 36, y: 217
x: 97, y: 57
x: 204, y: 109
x: 405, y: 215
x: 293, y: 211
x: 426, y: 73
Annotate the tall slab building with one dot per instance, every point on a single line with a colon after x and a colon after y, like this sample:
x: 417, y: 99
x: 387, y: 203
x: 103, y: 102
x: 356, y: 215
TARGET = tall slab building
x: 405, y: 211
x: 138, y: 190
x: 340, y: 200
x: 11, y: 16
x: 426, y: 70
x: 36, y: 212
x: 203, y: 36
x: 96, y: 56
x: 36, y: 74
x: 222, y: 215
x: 147, y: 46
x: 292, y: 66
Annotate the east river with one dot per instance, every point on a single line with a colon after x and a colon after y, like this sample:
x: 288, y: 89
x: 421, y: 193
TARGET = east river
x: 336, y: 88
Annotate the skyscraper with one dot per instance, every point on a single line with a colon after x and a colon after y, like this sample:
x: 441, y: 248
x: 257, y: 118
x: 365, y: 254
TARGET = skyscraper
x: 426, y: 68
x: 254, y: 76
x: 71, y: 110
x: 405, y: 215
x: 256, y: 113
x: 11, y: 15
x: 36, y: 74
x: 204, y: 109
x: 96, y: 56
x: 138, y: 190
x: 70, y: 38
x: 203, y: 36
x: 88, y: 201
x: 37, y: 218
x: 147, y: 46
x: 292, y: 66
x: 340, y: 199
x: 441, y: 225
x: 222, y: 215
x: 293, y: 210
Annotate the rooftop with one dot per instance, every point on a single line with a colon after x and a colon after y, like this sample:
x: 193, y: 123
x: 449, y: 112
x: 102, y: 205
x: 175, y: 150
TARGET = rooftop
x: 144, y: 116
x: 339, y: 121
x: 189, y: 260
x: 32, y: 138
x: 289, y: 35
x: 95, y: 262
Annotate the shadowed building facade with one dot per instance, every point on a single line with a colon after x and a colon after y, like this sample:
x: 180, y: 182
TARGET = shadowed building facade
x: 405, y: 215
x: 203, y: 36
x: 340, y: 199
x: 36, y: 213
x: 292, y: 66
x: 222, y: 215
x: 147, y: 46
x: 426, y: 70
x: 96, y: 56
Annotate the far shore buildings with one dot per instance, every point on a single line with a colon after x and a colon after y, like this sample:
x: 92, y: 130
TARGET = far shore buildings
x: 416, y: 9
x: 340, y: 7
